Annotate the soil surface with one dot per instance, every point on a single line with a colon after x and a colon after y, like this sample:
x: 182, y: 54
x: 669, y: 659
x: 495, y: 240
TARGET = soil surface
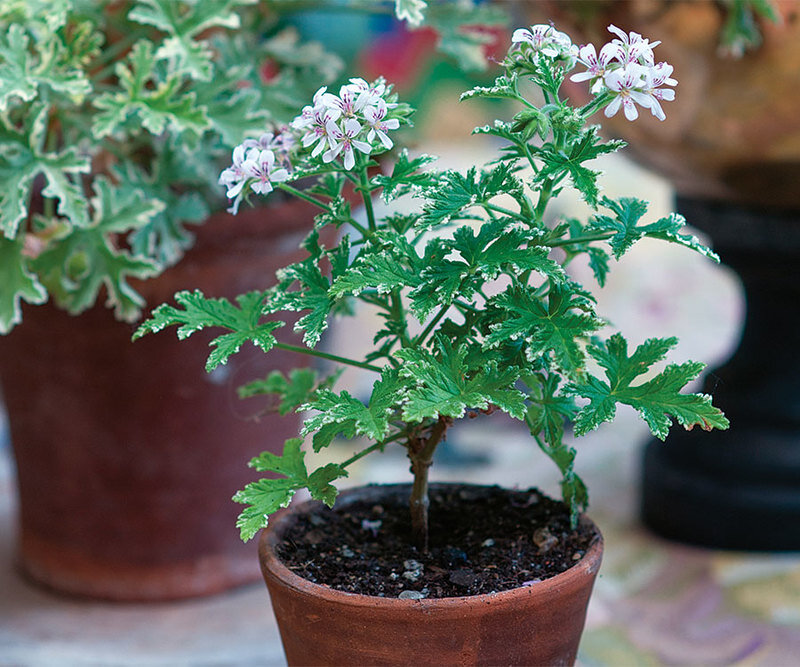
x: 482, y: 540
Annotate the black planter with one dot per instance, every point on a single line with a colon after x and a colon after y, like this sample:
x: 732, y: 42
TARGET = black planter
x: 740, y: 489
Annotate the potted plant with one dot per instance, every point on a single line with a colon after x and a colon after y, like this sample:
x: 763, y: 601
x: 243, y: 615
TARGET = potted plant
x: 115, y: 120
x: 479, y: 314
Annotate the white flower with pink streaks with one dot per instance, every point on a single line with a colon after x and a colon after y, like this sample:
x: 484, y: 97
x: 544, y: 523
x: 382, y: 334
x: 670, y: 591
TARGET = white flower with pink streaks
x: 260, y: 165
x: 545, y: 39
x: 375, y: 117
x: 597, y: 65
x: 235, y: 176
x: 654, y: 78
x: 343, y: 140
x: 626, y: 84
x: 633, y: 47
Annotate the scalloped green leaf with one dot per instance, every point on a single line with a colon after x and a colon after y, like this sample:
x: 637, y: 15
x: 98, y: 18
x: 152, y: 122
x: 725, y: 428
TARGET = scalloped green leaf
x: 196, y: 312
x: 17, y: 283
x: 658, y: 400
x: 81, y: 261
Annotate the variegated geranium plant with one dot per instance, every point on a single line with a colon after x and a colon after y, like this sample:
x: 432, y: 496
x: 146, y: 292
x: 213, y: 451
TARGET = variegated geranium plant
x: 117, y: 115
x: 470, y: 280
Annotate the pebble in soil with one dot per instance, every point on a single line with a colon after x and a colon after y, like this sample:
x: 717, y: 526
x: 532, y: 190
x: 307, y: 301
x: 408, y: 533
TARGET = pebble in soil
x: 482, y: 540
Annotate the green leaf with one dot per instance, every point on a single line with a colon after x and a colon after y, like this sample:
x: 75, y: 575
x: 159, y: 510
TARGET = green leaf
x: 497, y: 248
x: 548, y: 410
x: 445, y: 385
x: 196, y: 312
x: 456, y: 192
x: 741, y: 30
x: 412, y: 11
x: 81, y: 261
x: 155, y: 107
x: 555, y: 328
x: 503, y: 87
x: 456, y: 22
x: 628, y: 211
x: 266, y: 496
x: 558, y: 164
x: 294, y: 390
x: 406, y: 176
x: 24, y: 70
x: 344, y: 414
x: 547, y: 413
x: 387, y: 262
x: 22, y: 160
x: 17, y: 282
x: 311, y: 294
x: 164, y: 238
x: 657, y: 400
x: 183, y: 22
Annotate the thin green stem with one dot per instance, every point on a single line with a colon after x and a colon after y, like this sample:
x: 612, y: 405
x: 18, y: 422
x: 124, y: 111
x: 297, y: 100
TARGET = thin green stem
x: 368, y: 450
x: 599, y: 236
x: 303, y: 195
x: 399, y: 316
x: 364, y: 189
x: 505, y: 211
x: 329, y: 357
x: 431, y: 325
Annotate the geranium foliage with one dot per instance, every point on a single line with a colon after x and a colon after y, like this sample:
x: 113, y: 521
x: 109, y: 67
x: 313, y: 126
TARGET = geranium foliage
x: 468, y: 278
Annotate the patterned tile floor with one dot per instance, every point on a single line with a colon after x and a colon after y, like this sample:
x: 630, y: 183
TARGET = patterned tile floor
x: 656, y: 603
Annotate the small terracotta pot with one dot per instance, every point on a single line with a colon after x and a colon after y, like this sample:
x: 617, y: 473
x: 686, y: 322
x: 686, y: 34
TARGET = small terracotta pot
x: 128, y: 453
x: 534, y: 625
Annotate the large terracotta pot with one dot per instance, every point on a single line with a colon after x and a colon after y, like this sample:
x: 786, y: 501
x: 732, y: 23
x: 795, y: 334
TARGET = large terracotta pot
x: 128, y: 453
x: 733, y: 131
x: 535, y: 625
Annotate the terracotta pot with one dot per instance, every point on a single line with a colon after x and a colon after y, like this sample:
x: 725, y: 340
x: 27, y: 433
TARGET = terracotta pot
x: 733, y: 131
x: 127, y: 453
x: 534, y: 625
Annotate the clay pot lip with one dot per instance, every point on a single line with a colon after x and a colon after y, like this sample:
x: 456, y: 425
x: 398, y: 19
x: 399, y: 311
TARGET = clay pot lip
x: 273, y: 568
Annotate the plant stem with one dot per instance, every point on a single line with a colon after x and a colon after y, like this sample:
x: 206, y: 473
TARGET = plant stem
x: 599, y: 236
x: 302, y: 195
x: 329, y: 357
x: 436, y: 319
x: 420, y: 452
x: 363, y: 187
x: 505, y: 211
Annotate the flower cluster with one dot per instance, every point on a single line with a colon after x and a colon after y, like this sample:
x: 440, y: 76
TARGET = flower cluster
x: 333, y: 125
x: 626, y: 67
x: 259, y: 163
x: 353, y: 119
x: 624, y: 70
x: 548, y: 41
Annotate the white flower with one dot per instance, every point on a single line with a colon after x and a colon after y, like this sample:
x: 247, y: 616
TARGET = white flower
x: 318, y: 129
x: 343, y: 140
x: 260, y: 165
x: 627, y: 83
x: 309, y: 112
x: 633, y: 47
x: 655, y: 77
x: 264, y: 142
x: 235, y: 176
x: 597, y: 66
x: 352, y: 98
x: 374, y: 116
x: 545, y: 39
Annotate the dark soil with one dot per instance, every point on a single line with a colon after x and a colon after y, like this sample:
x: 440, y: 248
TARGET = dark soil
x: 482, y: 540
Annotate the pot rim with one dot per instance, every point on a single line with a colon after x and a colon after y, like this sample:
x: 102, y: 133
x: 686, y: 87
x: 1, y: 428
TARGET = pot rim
x: 273, y: 568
